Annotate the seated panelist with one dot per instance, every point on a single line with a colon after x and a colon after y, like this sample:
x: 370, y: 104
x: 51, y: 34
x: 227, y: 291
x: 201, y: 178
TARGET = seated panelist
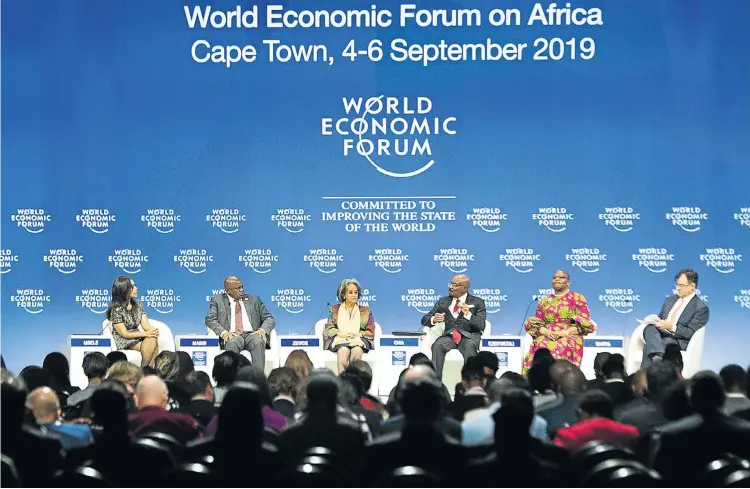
x: 561, y: 321
x: 350, y: 331
x: 241, y: 321
x: 126, y: 314
x: 464, y: 316
x: 680, y: 317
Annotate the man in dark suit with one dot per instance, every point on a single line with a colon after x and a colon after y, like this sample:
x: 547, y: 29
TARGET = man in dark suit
x: 464, y: 317
x: 241, y: 321
x: 680, y: 317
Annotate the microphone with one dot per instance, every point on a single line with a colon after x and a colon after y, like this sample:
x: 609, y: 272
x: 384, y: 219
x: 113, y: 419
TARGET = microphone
x: 534, y: 299
x: 328, y: 304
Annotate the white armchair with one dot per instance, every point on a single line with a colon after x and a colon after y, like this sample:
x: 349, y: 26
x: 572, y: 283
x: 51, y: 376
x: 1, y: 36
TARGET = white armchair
x: 164, y: 342
x: 454, y: 361
x: 331, y: 362
x: 691, y: 358
x: 272, y: 351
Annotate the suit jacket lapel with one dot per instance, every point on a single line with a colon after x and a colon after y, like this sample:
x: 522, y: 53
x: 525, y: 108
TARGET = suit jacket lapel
x: 249, y: 312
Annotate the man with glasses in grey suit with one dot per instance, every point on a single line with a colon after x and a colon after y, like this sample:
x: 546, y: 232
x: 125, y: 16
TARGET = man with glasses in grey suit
x: 241, y: 321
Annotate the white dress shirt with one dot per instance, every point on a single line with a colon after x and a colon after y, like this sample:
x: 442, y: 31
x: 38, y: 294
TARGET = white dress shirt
x: 246, y: 325
x: 680, y: 304
x: 460, y: 300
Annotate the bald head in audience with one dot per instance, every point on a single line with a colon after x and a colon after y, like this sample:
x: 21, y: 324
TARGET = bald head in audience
x: 44, y: 404
x: 151, y: 391
x: 418, y: 372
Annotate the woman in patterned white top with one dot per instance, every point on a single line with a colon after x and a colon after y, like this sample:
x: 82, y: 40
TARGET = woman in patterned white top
x: 126, y: 314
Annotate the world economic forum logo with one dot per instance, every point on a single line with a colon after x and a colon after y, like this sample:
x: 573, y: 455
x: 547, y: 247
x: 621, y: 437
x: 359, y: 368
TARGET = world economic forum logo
x: 723, y: 260
x: 129, y: 260
x: 323, y: 259
x: 226, y: 220
x: 588, y: 260
x: 161, y: 300
x: 688, y: 219
x: 655, y: 260
x: 95, y: 300
x: 258, y: 260
x: 619, y: 300
x: 194, y: 260
x: 493, y: 299
x: 63, y: 260
x: 161, y: 220
x: 291, y: 300
x: 454, y: 259
x: 367, y: 298
x: 743, y: 298
x: 488, y: 219
x: 96, y: 220
x: 394, y: 134
x: 553, y: 218
x: 420, y: 299
x: 389, y: 260
x: 291, y: 219
x: 521, y: 260
x: 7, y: 259
x: 30, y: 300
x: 32, y: 220
x: 743, y: 217
x: 620, y: 219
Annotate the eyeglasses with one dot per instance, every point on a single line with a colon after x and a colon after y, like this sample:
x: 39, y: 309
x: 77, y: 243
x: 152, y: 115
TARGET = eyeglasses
x: 559, y: 277
x: 683, y: 285
x: 454, y: 284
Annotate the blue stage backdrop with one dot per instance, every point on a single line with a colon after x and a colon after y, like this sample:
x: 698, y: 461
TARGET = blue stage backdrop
x: 323, y: 140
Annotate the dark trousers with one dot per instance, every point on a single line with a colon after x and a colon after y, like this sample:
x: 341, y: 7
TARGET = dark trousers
x: 656, y: 344
x: 252, y: 343
x: 467, y: 346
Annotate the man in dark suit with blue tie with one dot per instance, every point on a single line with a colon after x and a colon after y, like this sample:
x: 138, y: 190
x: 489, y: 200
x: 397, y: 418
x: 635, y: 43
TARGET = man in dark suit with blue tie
x: 680, y: 317
x: 241, y: 321
x: 464, y: 316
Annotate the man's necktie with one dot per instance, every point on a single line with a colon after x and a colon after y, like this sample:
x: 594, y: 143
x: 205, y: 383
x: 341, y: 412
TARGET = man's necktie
x: 456, y: 335
x: 238, y: 317
x: 677, y: 311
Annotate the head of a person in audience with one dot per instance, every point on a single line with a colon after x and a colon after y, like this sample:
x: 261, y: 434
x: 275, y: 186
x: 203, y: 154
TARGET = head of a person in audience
x: 58, y: 368
x: 13, y: 410
x: 542, y: 355
x: 44, y: 405
x: 300, y: 362
x: 226, y: 366
x: 363, y: 370
x: 489, y: 362
x: 240, y: 416
x: 516, y: 379
x: 110, y: 406
x: 95, y: 366
x: 499, y: 387
x: 34, y: 376
x: 421, y: 399
x: 472, y: 374
x: 421, y: 371
x: 614, y: 367
x: 283, y: 381
x: 351, y: 389
x: 167, y: 366
x: 599, y: 361
x: 540, y: 377
x: 638, y: 382
x: 127, y: 373
x: 659, y: 377
x: 322, y: 393
x: 513, y: 419
x: 186, y: 364
x: 676, y: 404
x: 199, y: 386
x: 734, y: 378
x: 673, y: 355
x: 420, y: 358
x: 116, y: 356
x: 255, y: 375
x: 707, y: 394
x: 595, y: 403
x: 124, y: 293
x: 573, y: 383
x: 151, y: 391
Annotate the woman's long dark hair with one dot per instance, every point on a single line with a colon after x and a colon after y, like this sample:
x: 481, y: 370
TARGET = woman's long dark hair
x: 121, y: 289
